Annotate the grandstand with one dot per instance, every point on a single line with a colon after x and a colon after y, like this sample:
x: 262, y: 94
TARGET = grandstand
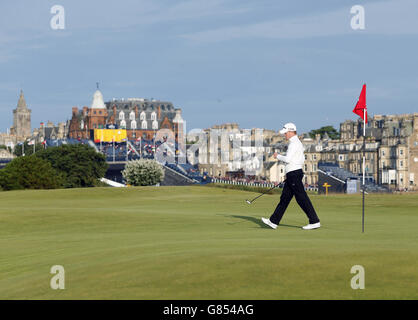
x: 333, y: 170
x: 118, y: 153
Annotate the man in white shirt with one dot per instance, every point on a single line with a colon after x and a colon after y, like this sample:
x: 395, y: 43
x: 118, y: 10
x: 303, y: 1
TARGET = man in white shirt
x: 293, y: 186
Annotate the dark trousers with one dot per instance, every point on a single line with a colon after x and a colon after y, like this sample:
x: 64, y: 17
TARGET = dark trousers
x: 293, y: 186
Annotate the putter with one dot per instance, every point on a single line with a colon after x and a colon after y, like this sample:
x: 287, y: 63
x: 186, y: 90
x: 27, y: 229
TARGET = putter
x: 251, y: 201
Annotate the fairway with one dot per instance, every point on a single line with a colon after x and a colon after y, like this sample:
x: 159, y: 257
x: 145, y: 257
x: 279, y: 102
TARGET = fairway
x: 203, y: 243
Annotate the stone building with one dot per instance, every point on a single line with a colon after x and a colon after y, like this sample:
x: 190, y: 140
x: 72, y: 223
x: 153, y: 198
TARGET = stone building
x: 21, y: 129
x: 398, y: 161
x: 21, y: 119
x: 140, y: 117
x: 223, y: 162
x: 51, y: 131
x: 391, y: 151
x: 274, y: 170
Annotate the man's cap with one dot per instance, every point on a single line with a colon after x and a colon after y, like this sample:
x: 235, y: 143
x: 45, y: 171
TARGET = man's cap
x: 288, y: 127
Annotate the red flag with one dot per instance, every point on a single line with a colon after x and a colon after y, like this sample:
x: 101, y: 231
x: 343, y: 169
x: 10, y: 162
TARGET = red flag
x: 361, y: 104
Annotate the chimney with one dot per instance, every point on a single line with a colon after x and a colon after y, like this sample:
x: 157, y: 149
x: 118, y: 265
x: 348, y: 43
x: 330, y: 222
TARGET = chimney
x: 85, y: 110
x: 136, y: 111
x: 114, y: 110
x: 159, y: 112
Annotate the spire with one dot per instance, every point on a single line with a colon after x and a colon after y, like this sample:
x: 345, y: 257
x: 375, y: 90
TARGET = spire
x: 98, y: 102
x: 21, y: 104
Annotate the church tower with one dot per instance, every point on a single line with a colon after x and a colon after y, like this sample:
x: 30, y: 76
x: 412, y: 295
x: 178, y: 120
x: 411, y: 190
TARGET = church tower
x: 21, y: 119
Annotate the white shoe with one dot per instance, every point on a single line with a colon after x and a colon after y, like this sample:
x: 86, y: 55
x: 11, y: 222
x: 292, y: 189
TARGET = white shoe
x: 312, y: 226
x: 269, y: 223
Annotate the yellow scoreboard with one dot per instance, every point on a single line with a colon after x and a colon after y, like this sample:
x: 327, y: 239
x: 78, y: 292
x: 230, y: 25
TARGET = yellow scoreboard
x: 110, y: 135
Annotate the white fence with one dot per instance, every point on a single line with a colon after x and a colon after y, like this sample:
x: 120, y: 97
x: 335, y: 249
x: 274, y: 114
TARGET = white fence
x: 254, y: 184
x: 243, y: 183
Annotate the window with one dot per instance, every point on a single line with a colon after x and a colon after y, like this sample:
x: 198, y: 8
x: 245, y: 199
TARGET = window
x: 94, y: 112
x: 144, y: 125
x: 314, y: 167
x: 401, y: 163
x: 132, y: 116
x: 155, y: 125
x: 133, y: 124
x: 383, y: 152
x: 153, y: 116
x: 306, y: 167
x: 142, y: 116
x: 401, y: 151
x: 123, y: 124
x: 121, y: 115
x: 314, y: 156
x: 306, y: 157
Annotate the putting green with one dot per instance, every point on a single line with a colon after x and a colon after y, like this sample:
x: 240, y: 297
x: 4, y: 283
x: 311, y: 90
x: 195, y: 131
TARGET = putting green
x: 203, y: 243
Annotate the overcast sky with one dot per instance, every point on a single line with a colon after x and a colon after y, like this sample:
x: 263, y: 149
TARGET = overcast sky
x: 258, y: 63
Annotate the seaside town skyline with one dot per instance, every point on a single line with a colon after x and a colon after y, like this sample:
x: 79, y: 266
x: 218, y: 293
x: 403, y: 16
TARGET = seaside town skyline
x: 257, y: 64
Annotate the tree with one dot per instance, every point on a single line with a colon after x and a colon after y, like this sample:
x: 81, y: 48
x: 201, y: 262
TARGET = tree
x: 330, y: 130
x: 28, y: 149
x: 80, y: 164
x: 29, y: 172
x: 143, y: 172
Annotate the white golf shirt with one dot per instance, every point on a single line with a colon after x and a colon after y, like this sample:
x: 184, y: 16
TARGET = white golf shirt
x: 294, y: 157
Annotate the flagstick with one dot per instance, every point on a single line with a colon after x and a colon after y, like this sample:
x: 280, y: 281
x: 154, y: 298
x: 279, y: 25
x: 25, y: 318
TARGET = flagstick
x: 364, y: 160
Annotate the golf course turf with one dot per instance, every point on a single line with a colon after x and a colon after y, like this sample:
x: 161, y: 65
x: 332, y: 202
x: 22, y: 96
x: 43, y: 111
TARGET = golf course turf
x: 203, y: 243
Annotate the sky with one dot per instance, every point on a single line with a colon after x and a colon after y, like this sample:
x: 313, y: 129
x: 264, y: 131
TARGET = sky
x: 256, y: 63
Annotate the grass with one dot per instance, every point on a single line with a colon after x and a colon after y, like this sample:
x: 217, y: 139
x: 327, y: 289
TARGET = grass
x: 203, y: 243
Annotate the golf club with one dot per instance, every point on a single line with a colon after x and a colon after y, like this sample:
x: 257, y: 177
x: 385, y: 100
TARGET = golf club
x: 251, y: 201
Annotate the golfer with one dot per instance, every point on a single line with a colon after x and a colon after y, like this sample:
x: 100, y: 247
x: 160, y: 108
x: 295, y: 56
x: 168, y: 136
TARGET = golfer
x: 293, y: 185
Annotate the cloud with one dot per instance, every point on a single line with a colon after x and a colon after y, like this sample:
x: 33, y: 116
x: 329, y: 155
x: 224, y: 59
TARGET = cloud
x: 26, y: 25
x: 131, y: 13
x: 394, y: 17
